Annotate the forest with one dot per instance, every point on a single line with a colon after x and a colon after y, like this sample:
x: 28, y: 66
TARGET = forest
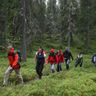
x: 28, y: 24
x: 31, y: 24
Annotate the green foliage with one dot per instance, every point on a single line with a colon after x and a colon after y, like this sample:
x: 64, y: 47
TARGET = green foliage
x: 47, y: 25
x: 74, y: 82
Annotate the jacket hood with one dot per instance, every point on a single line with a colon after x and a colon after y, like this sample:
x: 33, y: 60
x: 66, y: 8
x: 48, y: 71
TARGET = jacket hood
x: 52, y: 50
x: 12, y: 50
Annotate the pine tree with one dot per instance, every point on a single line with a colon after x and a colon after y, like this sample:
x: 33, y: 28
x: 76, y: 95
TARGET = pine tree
x: 86, y: 8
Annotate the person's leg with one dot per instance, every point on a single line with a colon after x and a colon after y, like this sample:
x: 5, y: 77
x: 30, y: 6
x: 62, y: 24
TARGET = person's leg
x: 67, y: 64
x: 40, y: 70
x: 57, y: 67
x: 60, y: 66
x: 52, y: 68
x: 81, y: 63
x: 18, y: 74
x: 76, y: 63
x: 6, y: 75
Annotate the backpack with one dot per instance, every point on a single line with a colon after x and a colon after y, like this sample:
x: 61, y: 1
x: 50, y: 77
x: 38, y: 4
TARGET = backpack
x: 19, y: 55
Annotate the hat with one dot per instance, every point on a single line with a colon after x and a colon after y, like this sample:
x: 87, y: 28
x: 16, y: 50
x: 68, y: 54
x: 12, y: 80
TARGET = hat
x: 52, y: 50
x: 67, y: 49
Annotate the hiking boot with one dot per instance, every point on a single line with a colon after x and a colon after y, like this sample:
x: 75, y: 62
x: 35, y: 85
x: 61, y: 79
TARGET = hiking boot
x: 53, y: 71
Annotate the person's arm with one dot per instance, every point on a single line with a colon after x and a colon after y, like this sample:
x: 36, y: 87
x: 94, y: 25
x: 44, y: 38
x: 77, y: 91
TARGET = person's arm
x: 36, y: 56
x: 63, y: 58
x: 64, y: 54
x: 56, y: 59
x: 44, y: 55
x: 15, y: 60
x: 71, y: 55
x: 48, y: 60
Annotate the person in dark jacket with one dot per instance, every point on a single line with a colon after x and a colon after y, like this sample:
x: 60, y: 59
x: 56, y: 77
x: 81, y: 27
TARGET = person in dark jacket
x: 67, y: 56
x: 40, y: 60
x: 79, y: 60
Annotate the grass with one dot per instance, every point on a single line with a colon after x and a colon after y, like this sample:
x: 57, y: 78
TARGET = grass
x: 74, y: 82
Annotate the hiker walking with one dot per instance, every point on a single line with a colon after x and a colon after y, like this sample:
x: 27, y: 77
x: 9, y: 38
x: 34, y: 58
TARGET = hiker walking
x: 79, y: 60
x: 13, y: 66
x: 40, y: 60
x: 59, y: 60
x: 52, y: 60
x: 67, y: 56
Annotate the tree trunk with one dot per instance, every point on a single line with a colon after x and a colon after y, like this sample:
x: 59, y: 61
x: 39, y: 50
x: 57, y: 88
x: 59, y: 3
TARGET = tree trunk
x: 24, y: 47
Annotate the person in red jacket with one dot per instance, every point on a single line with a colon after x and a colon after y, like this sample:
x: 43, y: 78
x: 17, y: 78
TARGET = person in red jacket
x: 52, y: 60
x: 13, y: 65
x: 59, y: 60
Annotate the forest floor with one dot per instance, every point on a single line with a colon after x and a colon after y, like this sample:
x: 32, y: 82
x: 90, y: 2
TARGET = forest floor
x: 73, y: 82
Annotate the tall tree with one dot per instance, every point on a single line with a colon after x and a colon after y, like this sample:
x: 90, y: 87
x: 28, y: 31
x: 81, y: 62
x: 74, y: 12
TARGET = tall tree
x: 67, y: 20
x: 51, y: 17
x: 24, y: 31
x: 72, y: 6
x: 63, y: 20
x: 86, y: 21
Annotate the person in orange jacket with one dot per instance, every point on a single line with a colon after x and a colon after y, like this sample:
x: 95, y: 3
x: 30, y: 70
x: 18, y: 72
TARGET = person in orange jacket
x: 13, y: 65
x: 52, y: 60
x: 59, y: 60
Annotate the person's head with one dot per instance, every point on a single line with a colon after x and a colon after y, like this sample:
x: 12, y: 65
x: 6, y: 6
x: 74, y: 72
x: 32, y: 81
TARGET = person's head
x: 59, y: 51
x: 67, y: 49
x: 39, y: 50
x: 18, y: 51
x: 10, y: 48
x: 52, y: 50
x: 42, y: 50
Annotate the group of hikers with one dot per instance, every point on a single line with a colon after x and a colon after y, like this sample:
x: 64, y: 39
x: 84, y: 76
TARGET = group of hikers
x: 57, y: 58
